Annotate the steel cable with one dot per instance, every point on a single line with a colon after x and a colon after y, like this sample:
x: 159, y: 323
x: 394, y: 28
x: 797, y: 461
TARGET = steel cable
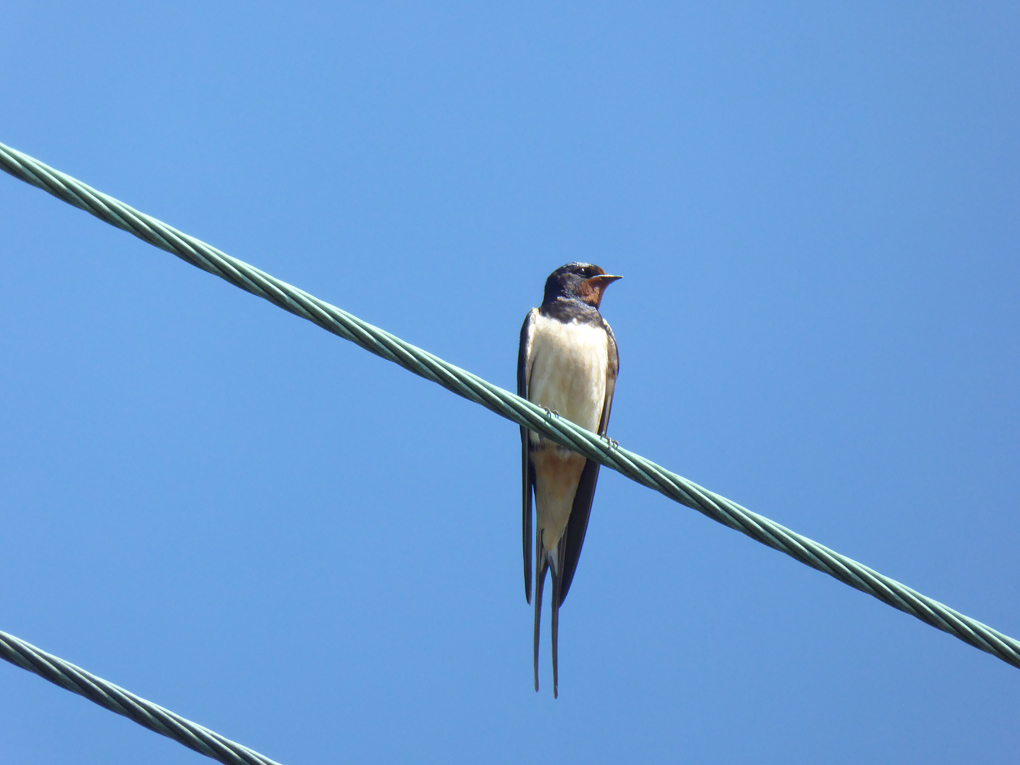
x: 508, y: 405
x: 116, y: 699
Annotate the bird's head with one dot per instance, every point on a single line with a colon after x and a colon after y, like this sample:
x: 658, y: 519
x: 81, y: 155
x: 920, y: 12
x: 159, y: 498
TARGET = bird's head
x: 578, y: 280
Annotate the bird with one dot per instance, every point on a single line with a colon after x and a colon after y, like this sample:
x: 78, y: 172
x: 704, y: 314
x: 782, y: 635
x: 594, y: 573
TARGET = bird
x: 567, y: 364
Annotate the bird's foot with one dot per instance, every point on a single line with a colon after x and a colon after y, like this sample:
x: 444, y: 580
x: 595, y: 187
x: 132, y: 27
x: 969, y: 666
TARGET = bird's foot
x: 551, y: 412
x: 612, y: 443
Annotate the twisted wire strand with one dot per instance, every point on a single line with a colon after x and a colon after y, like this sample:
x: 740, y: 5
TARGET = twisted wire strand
x: 116, y: 699
x: 511, y: 407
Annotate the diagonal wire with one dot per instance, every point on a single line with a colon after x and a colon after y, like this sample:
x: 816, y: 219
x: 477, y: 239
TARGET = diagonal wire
x: 511, y: 407
x: 116, y: 699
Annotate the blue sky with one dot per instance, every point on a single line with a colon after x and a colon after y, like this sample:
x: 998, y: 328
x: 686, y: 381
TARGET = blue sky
x: 277, y: 535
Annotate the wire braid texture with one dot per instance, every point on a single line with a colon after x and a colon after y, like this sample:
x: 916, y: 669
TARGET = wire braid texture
x: 511, y: 407
x: 116, y: 699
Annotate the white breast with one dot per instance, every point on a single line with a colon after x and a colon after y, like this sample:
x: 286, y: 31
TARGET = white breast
x: 568, y: 370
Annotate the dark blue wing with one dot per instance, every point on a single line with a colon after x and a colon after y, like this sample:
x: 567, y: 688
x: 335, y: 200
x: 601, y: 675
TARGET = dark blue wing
x: 527, y: 469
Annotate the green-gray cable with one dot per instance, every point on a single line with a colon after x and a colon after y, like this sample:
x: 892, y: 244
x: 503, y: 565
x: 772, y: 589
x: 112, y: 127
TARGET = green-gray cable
x: 508, y: 405
x: 116, y: 699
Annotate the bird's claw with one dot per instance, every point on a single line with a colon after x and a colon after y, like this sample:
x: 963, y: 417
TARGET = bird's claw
x: 551, y: 412
x: 612, y: 443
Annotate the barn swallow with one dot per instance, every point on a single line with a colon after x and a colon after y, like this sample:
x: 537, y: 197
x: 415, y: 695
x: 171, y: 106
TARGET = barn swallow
x: 567, y: 364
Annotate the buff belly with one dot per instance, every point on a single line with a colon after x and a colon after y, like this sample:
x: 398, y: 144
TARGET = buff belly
x: 567, y: 376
